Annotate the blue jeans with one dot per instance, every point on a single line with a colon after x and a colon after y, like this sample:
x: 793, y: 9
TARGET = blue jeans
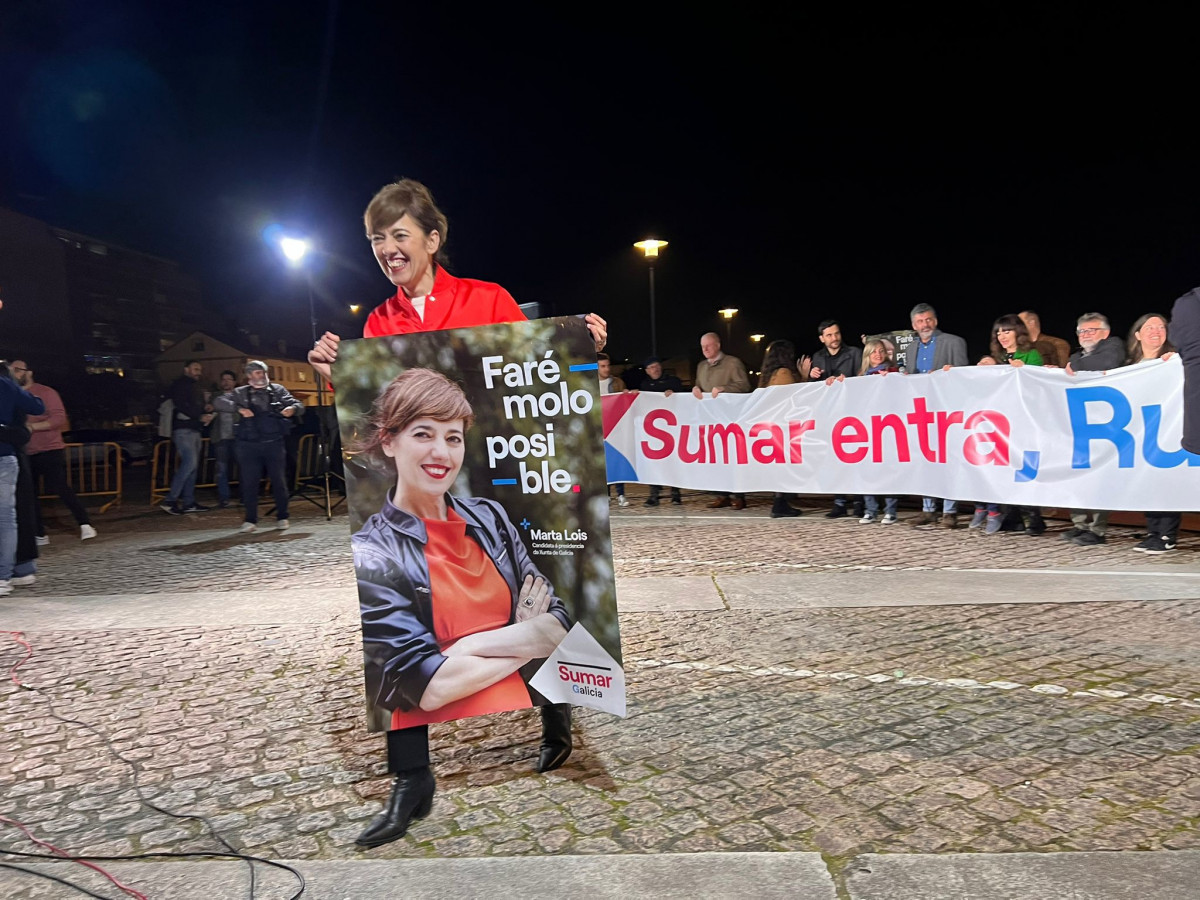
x: 183, y: 485
x: 929, y: 504
x: 225, y: 458
x: 889, y: 504
x: 8, y: 515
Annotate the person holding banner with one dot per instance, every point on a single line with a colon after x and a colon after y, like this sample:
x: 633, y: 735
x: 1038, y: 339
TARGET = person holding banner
x: 877, y: 359
x: 408, y: 234
x: 1098, y: 351
x: 1148, y: 344
x: 778, y: 368
x: 1010, y: 345
x: 933, y: 351
x: 1185, y: 332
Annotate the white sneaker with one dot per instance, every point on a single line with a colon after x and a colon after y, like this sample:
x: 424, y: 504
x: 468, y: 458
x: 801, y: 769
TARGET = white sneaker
x: 889, y: 519
x: 43, y: 540
x: 867, y: 519
x: 5, y: 588
x: 22, y: 580
x: 248, y: 528
x: 283, y: 525
x: 86, y: 532
x: 621, y: 501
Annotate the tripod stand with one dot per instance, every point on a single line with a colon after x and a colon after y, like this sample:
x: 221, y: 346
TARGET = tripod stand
x: 317, y: 488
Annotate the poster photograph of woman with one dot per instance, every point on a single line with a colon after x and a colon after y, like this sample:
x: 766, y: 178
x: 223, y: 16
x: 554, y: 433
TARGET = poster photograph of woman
x: 479, y: 513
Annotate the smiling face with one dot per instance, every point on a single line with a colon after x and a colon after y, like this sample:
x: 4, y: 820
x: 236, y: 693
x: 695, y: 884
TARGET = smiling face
x: 405, y: 254
x: 924, y: 324
x: 710, y: 346
x: 1152, y: 335
x: 428, y: 455
x: 1007, y: 338
x: 877, y: 356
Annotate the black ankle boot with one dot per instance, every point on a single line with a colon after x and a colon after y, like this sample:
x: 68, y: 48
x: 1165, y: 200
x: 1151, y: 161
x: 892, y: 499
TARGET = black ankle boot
x: 781, y: 509
x: 556, y: 736
x: 412, y: 798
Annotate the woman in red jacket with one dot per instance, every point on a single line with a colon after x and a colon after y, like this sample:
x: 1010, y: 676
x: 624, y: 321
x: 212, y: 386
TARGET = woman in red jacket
x: 407, y: 233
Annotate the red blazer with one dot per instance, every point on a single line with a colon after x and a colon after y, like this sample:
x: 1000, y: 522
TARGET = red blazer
x: 453, y: 303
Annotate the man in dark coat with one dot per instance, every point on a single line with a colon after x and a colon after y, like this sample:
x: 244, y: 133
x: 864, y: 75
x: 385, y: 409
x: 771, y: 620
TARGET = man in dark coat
x: 1185, y: 334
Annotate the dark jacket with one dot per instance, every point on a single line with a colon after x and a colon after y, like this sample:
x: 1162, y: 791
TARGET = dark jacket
x: 1108, y: 354
x: 188, y: 398
x: 847, y: 362
x: 399, y: 645
x: 661, y: 385
x: 1185, y: 334
x: 15, y: 404
x: 268, y: 404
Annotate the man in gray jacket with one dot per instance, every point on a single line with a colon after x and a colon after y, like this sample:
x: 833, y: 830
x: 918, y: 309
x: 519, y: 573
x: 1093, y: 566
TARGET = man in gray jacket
x: 933, y: 351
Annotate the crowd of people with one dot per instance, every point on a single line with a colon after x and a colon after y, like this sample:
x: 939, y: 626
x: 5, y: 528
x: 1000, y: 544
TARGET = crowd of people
x: 32, y: 422
x: 1014, y: 340
x: 248, y: 424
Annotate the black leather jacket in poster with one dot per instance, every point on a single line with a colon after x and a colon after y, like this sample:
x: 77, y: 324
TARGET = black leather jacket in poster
x: 400, y: 649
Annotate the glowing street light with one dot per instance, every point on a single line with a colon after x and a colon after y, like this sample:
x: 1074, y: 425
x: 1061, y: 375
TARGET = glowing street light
x: 650, y: 248
x: 757, y: 337
x: 354, y: 308
x: 728, y: 313
x: 293, y: 248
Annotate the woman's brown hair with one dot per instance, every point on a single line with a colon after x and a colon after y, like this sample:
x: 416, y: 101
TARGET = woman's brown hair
x: 407, y: 196
x: 1134, y: 346
x: 414, y: 394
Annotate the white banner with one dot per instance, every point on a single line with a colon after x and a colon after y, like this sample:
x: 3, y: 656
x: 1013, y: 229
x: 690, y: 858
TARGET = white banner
x: 992, y: 434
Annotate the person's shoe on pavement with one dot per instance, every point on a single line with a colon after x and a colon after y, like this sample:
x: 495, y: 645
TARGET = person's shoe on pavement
x: 1155, y: 545
x: 838, y: 512
x: 43, y: 540
x: 171, y: 509
x: 248, y: 528
x: 196, y: 508
x: 738, y: 503
x: 719, y: 503
x: 1071, y: 533
x: 23, y: 580
x: 651, y: 501
x: 283, y: 525
x: 978, y: 520
x: 86, y: 532
x: 1089, y: 539
x: 925, y: 518
x: 949, y: 521
x: 889, y: 519
x: 621, y: 501
x: 994, y: 521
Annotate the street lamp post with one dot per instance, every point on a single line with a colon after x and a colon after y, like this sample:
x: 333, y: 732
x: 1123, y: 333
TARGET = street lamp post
x: 650, y: 248
x: 728, y: 313
x: 295, y: 249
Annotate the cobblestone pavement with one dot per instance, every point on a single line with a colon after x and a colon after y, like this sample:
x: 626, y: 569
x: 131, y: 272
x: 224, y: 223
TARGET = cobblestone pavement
x: 979, y: 728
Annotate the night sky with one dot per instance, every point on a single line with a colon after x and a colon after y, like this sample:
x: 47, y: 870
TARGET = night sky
x: 798, y: 170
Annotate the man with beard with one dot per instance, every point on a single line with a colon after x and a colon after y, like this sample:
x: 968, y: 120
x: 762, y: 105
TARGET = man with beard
x: 933, y: 351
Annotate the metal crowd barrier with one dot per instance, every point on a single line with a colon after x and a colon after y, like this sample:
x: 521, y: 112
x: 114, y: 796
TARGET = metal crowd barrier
x: 93, y: 470
x: 165, y: 459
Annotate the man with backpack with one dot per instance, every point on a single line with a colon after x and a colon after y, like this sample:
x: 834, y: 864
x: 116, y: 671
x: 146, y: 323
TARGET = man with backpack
x: 264, y: 411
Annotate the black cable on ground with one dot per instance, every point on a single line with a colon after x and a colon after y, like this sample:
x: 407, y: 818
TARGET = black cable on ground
x: 232, y: 853
x: 167, y: 854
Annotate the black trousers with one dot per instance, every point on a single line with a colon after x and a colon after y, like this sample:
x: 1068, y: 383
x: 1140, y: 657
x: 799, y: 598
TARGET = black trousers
x: 1163, y: 524
x: 51, y: 467
x: 253, y: 457
x: 408, y: 748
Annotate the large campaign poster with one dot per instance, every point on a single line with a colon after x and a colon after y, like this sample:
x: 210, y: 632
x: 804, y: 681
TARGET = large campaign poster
x: 479, y: 516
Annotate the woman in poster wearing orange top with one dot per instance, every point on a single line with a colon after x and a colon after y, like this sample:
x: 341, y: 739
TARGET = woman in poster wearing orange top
x: 408, y: 232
